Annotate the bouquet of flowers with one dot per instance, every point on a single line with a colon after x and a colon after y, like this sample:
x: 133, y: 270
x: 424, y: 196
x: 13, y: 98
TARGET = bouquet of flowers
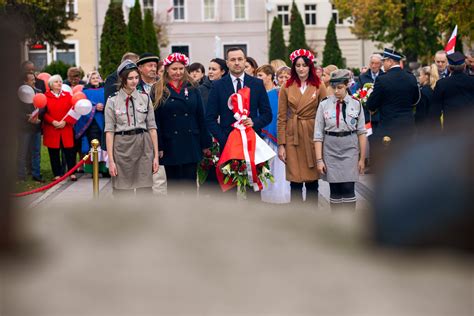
x: 363, y: 94
x: 244, y: 160
x: 208, y: 162
x: 235, y: 172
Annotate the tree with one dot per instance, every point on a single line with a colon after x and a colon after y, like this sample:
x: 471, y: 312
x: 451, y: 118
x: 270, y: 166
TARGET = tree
x: 332, y: 53
x: 418, y: 28
x: 297, y: 31
x: 151, y: 42
x: 136, y: 39
x: 39, y: 20
x: 277, y: 41
x: 113, y: 40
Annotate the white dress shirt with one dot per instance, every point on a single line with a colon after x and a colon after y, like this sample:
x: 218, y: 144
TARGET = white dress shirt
x: 234, y: 80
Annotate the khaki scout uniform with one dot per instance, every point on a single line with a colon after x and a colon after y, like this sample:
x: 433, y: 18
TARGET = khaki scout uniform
x: 130, y: 118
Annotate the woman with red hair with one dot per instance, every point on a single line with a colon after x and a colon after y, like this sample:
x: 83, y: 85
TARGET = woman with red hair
x: 298, y: 102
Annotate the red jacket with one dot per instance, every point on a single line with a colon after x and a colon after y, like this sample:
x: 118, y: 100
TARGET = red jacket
x: 57, y: 108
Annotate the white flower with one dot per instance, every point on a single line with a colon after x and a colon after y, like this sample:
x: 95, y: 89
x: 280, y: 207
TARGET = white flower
x: 226, y: 169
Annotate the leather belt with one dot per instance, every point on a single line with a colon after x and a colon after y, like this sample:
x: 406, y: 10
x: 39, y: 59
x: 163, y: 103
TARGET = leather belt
x: 132, y: 132
x: 340, y: 134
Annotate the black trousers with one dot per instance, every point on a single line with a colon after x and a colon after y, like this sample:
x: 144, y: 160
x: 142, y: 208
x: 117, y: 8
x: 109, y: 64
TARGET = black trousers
x: 181, y: 177
x: 343, y: 192
x: 311, y: 191
x: 54, y: 158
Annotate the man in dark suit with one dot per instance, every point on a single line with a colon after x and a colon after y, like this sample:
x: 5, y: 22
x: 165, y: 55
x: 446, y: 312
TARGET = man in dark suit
x: 375, y: 65
x: 453, y: 94
x: 394, y: 96
x: 260, y: 111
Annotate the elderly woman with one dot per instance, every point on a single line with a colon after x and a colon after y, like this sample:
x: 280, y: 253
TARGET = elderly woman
x: 130, y: 131
x: 298, y: 101
x: 58, y: 132
x: 179, y: 116
x: 340, y: 140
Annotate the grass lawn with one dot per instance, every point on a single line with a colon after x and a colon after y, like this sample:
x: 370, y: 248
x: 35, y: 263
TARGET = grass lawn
x: 46, y: 173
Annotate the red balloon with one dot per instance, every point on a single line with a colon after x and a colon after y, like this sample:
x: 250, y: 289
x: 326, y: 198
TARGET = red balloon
x: 77, y: 89
x: 39, y: 101
x: 45, y: 77
x: 78, y: 96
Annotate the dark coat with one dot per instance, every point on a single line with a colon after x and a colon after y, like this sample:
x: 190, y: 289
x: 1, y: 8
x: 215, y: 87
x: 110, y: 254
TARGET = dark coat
x: 423, y: 107
x: 180, y: 122
x: 110, y: 86
x: 260, y: 111
x: 453, y: 95
x: 364, y: 78
x: 394, y: 96
x: 204, y: 88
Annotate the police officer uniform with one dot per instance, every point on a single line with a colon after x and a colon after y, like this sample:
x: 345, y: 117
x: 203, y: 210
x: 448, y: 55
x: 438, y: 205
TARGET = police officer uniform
x: 338, y: 124
x: 394, y: 96
x: 453, y: 95
x: 130, y: 117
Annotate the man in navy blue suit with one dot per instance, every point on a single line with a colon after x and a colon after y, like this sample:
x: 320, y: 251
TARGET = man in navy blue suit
x: 219, y: 117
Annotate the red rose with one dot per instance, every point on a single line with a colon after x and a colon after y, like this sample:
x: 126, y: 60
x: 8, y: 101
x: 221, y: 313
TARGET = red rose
x: 235, y: 165
x: 208, y: 154
x: 363, y: 93
x: 243, y: 167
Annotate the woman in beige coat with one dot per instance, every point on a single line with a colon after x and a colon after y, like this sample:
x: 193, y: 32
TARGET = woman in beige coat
x: 298, y: 102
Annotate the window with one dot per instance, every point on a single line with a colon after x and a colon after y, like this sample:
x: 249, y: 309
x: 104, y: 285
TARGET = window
x: 284, y: 14
x: 227, y: 46
x: 38, y: 54
x: 239, y: 10
x: 148, y: 5
x: 66, y: 53
x: 178, y: 9
x: 183, y: 49
x: 335, y: 15
x: 209, y: 10
x: 71, y: 7
x: 310, y: 14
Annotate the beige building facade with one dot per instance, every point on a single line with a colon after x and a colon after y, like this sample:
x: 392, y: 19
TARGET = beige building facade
x: 204, y: 29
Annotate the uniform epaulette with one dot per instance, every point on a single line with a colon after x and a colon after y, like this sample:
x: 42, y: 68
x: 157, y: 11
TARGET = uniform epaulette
x: 113, y: 94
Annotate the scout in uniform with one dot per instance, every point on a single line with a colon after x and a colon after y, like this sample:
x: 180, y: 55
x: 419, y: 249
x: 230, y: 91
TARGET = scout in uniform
x: 131, y: 137
x: 340, y: 140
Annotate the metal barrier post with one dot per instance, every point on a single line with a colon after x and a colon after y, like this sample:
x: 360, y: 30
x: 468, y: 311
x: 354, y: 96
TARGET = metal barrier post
x: 95, y: 167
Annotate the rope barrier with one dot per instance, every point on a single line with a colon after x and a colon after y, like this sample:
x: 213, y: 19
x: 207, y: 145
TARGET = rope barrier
x: 50, y: 185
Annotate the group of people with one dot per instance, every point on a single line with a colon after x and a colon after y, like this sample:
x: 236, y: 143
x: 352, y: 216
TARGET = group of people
x: 159, y: 118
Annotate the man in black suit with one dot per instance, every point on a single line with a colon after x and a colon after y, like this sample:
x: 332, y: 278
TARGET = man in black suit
x: 453, y: 94
x: 394, y: 96
x: 219, y: 117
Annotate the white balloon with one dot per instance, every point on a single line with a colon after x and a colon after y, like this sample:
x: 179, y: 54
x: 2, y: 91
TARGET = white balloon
x: 66, y: 88
x: 26, y: 93
x: 83, y: 107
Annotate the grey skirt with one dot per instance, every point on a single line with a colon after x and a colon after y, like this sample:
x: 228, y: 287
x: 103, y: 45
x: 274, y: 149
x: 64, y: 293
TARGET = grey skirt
x: 133, y: 155
x: 341, y: 156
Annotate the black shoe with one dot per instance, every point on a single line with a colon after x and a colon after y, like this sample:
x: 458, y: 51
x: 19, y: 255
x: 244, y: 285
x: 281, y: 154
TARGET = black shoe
x: 40, y: 180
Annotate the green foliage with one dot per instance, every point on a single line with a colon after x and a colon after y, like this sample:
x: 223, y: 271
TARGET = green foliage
x: 332, y: 53
x: 277, y: 41
x: 57, y: 68
x: 136, y: 38
x: 151, y: 42
x: 355, y: 71
x: 297, y: 31
x: 414, y: 27
x: 113, y: 40
x: 39, y: 20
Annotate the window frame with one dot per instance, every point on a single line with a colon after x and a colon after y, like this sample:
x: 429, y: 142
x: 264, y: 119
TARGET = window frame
x: 76, y: 51
x: 310, y: 13
x: 284, y: 13
x: 184, y: 19
x: 246, y: 8
x: 203, y: 11
x: 178, y: 44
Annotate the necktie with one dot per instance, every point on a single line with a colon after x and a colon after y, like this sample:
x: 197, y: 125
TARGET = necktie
x: 338, y: 112
x: 239, y: 85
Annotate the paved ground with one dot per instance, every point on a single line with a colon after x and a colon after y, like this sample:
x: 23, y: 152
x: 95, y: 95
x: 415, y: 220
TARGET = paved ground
x: 186, y: 256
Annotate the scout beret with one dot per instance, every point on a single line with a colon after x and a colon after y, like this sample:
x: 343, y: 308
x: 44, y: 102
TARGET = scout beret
x: 340, y: 75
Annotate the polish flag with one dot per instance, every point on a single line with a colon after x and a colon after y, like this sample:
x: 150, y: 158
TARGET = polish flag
x: 368, y: 128
x: 449, y: 48
x: 72, y: 116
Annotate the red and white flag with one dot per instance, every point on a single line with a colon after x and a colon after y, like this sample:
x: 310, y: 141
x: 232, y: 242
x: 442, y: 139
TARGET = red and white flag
x: 449, y: 48
x: 72, y: 116
x: 368, y: 128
